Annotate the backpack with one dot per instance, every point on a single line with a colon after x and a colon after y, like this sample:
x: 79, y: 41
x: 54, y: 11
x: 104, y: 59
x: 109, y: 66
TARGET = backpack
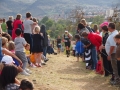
x: 20, y: 27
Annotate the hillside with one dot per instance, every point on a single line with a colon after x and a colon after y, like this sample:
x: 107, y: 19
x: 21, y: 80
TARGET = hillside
x: 46, y: 7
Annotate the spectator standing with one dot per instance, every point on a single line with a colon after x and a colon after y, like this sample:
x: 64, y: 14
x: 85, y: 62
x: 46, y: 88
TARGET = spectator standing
x: 4, y: 26
x: 45, y: 40
x: 96, y: 29
x: 106, y: 63
x: 79, y: 49
x: 10, y: 25
x: 17, y: 24
x: 73, y: 48
x: 28, y: 29
x: 110, y: 48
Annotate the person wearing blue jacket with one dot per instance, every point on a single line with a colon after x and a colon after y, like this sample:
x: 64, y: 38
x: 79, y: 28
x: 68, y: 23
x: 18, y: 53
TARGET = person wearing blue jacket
x: 79, y: 47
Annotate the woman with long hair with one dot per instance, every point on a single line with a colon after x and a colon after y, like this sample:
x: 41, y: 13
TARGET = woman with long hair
x: 8, y: 78
x: 44, y: 41
x: 96, y: 29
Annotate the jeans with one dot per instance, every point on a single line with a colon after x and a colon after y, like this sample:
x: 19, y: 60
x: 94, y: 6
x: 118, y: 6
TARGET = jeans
x: 29, y: 62
x: 10, y: 32
x: 50, y: 50
x: 94, y: 57
x: 44, y: 51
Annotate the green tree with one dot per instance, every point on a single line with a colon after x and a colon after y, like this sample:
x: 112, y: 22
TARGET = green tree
x: 49, y: 23
x: 44, y: 20
x: 98, y: 20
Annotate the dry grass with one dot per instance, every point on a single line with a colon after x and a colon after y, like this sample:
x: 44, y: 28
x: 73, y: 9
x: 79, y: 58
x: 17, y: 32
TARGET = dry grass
x: 62, y: 73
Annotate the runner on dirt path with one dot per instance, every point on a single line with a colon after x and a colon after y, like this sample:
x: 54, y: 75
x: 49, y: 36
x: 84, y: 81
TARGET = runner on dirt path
x: 67, y: 40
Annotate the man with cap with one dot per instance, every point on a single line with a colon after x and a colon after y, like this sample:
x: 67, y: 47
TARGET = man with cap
x: 67, y: 40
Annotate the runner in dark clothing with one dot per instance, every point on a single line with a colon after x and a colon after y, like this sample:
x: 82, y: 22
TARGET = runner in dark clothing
x: 67, y: 41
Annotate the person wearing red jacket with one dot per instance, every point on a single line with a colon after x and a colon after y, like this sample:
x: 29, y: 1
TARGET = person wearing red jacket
x: 96, y: 41
x: 17, y: 24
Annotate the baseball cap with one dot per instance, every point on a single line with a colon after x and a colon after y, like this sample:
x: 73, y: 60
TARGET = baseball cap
x: 7, y: 59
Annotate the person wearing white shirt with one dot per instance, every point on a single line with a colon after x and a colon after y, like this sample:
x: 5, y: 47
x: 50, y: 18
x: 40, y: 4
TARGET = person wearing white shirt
x: 110, y: 48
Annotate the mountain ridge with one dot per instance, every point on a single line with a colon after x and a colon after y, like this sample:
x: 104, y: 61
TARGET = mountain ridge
x: 46, y: 7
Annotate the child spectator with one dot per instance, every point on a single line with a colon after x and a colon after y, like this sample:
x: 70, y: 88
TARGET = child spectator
x: 88, y: 54
x: 73, y: 48
x: 79, y: 47
x: 27, y: 52
x: 37, y: 47
x: 5, y: 51
x: 26, y: 85
x: 6, y: 35
x: 11, y: 47
x: 20, y: 43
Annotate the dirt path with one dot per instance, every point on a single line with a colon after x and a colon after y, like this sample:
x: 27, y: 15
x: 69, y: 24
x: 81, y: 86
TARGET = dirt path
x: 62, y: 73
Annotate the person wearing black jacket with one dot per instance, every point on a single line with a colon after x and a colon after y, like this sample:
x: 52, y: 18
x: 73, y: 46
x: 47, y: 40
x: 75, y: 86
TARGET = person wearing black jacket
x: 106, y: 63
x: 45, y: 40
